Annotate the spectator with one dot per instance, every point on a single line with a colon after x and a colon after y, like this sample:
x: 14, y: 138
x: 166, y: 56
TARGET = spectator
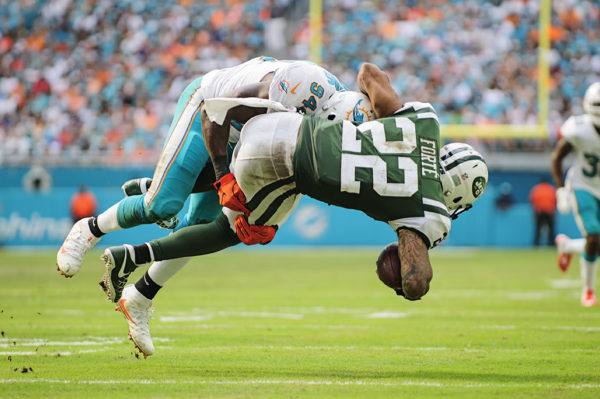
x: 543, y: 200
x: 83, y: 204
x: 72, y: 72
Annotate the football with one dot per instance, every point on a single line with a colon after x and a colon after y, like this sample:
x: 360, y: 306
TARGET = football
x: 388, y: 267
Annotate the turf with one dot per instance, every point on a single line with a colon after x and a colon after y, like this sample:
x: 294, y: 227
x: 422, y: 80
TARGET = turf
x: 311, y: 323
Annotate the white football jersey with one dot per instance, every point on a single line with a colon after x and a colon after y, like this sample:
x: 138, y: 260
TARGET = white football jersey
x: 222, y: 82
x: 303, y: 85
x: 584, y: 174
x: 300, y: 84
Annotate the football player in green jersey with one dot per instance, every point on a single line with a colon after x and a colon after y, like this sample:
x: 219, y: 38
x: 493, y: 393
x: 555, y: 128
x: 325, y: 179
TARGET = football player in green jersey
x: 391, y: 168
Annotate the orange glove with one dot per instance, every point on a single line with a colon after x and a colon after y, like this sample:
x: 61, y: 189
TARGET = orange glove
x: 252, y: 234
x: 230, y: 194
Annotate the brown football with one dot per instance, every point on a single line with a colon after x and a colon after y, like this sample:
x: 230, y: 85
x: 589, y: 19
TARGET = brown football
x: 388, y: 266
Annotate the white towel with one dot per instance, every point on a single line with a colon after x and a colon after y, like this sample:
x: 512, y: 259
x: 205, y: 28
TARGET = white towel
x: 216, y: 108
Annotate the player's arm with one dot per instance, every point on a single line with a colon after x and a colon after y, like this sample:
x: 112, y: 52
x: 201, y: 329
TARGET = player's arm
x: 376, y: 85
x: 415, y: 267
x: 563, y: 148
x: 216, y: 136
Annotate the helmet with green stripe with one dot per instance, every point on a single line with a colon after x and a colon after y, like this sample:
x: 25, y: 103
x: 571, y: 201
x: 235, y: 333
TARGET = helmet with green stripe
x: 464, y: 176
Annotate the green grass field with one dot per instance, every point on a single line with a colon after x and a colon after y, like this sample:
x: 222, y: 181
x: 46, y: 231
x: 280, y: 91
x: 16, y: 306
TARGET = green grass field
x: 304, y: 324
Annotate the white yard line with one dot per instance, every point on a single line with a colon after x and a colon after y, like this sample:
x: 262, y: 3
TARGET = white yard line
x: 434, y: 384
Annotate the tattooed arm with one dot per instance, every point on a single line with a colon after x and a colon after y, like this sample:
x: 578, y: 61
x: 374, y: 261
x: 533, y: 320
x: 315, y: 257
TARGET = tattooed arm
x: 415, y: 266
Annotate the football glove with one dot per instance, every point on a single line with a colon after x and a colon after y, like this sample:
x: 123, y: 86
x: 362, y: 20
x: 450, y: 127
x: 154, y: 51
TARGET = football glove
x: 136, y: 186
x: 252, y: 234
x: 563, y: 200
x: 230, y: 194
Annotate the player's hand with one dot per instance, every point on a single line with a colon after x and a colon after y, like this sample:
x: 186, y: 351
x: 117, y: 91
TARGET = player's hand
x: 563, y: 200
x: 136, y: 186
x: 230, y: 194
x: 252, y: 234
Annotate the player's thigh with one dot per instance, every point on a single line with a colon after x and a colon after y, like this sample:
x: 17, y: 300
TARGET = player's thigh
x: 183, y: 100
x: 271, y: 196
x: 181, y: 161
x: 587, y: 212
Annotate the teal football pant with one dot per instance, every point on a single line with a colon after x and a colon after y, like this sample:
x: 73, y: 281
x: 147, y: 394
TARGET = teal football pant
x: 183, y: 157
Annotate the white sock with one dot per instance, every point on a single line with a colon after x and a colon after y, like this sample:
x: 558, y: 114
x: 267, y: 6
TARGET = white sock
x: 574, y: 245
x: 588, y: 273
x: 107, y: 220
x: 160, y: 272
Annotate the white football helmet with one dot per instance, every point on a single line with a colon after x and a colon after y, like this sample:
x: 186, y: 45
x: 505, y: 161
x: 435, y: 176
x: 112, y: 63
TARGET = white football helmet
x: 349, y: 105
x: 591, y: 103
x: 464, y: 176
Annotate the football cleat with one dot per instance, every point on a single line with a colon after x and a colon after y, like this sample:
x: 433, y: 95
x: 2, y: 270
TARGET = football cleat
x: 137, y: 309
x: 588, y: 298
x: 78, y: 242
x: 169, y: 223
x: 564, y: 258
x: 119, y: 265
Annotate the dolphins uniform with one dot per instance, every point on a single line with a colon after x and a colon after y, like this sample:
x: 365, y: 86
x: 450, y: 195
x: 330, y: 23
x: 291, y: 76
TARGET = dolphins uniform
x: 583, y: 176
x: 300, y: 84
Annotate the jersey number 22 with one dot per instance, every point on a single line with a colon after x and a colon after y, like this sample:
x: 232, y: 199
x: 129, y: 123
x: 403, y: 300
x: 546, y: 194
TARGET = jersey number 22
x: 349, y: 163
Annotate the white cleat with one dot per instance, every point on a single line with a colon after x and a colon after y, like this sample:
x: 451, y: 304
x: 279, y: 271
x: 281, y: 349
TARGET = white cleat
x: 137, y: 309
x: 79, y: 241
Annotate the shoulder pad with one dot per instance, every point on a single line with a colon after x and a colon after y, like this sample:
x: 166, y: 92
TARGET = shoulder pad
x: 572, y: 127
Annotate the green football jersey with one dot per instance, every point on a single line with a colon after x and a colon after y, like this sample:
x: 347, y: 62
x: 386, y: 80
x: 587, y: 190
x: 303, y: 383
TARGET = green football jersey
x: 388, y: 168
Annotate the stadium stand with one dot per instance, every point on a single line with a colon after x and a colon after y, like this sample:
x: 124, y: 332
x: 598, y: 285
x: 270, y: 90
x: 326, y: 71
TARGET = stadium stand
x: 95, y: 82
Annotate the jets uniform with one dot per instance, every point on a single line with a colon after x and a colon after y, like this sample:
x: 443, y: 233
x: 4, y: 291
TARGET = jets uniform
x: 387, y: 168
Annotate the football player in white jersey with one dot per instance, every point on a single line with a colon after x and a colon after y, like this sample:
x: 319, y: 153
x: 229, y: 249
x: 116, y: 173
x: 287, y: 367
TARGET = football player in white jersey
x: 581, y: 135
x: 185, y: 166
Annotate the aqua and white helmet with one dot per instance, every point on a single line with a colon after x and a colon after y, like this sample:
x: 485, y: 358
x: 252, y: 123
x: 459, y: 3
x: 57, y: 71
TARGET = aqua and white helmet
x: 464, y: 176
x: 349, y: 105
x: 591, y: 103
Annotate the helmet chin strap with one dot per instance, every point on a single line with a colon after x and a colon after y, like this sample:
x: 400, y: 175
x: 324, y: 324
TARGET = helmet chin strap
x: 460, y: 210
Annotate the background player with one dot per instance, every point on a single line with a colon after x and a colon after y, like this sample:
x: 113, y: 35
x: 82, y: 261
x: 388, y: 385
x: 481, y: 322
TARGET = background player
x: 184, y: 165
x: 581, y: 135
x: 388, y: 168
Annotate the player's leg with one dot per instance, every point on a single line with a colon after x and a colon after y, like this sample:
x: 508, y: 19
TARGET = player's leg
x: 538, y: 229
x: 589, y: 266
x: 587, y: 216
x: 203, y: 208
x: 136, y: 300
x: 271, y: 197
x: 201, y: 239
x: 183, y: 157
x: 551, y: 231
x: 263, y: 166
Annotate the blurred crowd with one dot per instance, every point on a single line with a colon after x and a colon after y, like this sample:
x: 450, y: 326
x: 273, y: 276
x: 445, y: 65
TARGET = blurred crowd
x: 96, y: 81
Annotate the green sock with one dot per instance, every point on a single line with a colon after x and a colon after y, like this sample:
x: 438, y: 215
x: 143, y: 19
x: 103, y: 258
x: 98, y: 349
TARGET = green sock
x: 195, y: 240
